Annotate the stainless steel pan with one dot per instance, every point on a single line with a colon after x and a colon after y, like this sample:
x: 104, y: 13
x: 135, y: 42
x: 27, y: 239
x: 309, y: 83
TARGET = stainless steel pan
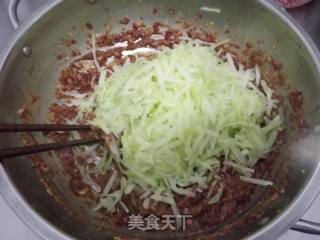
x: 28, y: 63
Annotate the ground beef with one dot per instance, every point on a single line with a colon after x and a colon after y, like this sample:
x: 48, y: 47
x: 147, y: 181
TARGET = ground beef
x: 76, y: 184
x: 297, y: 114
x: 237, y: 194
x: 89, y: 26
x: 125, y: 21
x: 60, y: 113
x: 72, y: 78
x: 194, y: 33
x: 236, y: 197
x: 68, y: 41
x: 58, y: 136
x: 25, y: 114
x: 296, y: 100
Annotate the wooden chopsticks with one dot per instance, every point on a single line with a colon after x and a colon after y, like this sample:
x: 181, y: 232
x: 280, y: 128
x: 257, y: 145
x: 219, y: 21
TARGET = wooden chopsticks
x: 19, y: 151
x: 41, y: 127
x: 14, y: 152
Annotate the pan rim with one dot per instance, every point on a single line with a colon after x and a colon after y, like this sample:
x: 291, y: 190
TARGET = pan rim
x: 272, y: 230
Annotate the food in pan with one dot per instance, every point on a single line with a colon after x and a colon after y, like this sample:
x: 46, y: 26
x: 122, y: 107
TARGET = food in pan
x: 191, y: 123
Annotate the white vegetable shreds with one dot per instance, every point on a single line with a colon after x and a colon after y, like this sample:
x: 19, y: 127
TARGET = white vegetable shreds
x: 210, y: 9
x: 177, y: 115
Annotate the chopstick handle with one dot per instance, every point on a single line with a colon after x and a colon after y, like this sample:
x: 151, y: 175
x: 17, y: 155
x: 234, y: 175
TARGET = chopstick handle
x: 41, y: 127
x: 14, y: 152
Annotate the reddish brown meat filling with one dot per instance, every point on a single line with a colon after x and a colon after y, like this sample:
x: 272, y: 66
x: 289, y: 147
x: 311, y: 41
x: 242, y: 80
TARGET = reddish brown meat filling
x: 237, y: 195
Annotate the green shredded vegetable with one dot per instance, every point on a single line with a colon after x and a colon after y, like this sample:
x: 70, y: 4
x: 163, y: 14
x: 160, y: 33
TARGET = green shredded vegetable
x: 177, y: 115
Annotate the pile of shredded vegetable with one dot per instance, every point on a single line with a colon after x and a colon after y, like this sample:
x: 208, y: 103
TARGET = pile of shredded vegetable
x: 176, y: 118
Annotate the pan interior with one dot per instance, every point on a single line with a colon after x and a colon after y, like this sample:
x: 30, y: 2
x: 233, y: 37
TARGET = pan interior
x: 37, y: 74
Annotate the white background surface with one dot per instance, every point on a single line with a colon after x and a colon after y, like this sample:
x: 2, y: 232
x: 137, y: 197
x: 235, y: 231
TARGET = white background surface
x: 12, y: 228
